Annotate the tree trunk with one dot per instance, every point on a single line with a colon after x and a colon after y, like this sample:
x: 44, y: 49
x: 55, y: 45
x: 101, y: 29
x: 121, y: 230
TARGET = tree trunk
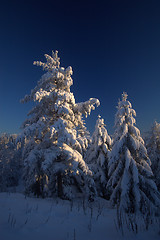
x: 59, y: 183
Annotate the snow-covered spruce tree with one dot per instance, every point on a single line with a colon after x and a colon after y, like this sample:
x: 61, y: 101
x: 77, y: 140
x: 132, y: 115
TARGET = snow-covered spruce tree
x: 130, y: 186
x: 10, y: 161
x: 153, y: 149
x: 53, y: 154
x: 97, y: 156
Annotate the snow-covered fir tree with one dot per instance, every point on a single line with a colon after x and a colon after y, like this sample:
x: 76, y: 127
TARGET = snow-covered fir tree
x: 55, y: 135
x: 153, y: 149
x: 10, y: 161
x: 130, y: 186
x: 97, y: 155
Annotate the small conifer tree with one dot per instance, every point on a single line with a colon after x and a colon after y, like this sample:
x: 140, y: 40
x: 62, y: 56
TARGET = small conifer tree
x: 10, y: 161
x: 153, y: 148
x: 97, y: 155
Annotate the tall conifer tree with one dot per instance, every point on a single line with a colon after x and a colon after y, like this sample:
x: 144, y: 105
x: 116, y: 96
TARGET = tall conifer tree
x: 53, y: 154
x: 130, y: 184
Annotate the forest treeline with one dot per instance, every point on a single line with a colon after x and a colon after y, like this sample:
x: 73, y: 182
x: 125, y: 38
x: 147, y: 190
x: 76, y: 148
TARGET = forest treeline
x: 55, y: 155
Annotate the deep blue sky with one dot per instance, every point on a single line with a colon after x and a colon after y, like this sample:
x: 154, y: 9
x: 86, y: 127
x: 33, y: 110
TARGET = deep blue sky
x: 112, y: 46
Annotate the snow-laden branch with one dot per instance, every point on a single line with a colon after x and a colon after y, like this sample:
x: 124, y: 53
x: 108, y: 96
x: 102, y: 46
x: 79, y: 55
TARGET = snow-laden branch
x: 86, y: 107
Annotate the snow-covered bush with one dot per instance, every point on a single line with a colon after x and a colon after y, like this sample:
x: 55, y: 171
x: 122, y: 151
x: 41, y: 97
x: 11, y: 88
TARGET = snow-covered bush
x: 153, y: 149
x: 56, y: 135
x: 130, y: 186
x: 97, y: 155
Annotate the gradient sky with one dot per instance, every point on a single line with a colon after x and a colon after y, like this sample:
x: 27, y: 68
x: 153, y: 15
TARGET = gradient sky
x: 112, y: 46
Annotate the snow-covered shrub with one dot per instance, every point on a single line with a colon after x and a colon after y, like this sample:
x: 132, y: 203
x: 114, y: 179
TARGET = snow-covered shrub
x: 56, y: 135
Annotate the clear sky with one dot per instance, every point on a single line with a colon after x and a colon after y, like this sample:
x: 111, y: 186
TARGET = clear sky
x: 112, y: 46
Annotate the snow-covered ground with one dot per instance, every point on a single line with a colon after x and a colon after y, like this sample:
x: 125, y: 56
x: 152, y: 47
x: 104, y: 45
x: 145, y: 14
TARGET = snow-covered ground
x: 24, y: 218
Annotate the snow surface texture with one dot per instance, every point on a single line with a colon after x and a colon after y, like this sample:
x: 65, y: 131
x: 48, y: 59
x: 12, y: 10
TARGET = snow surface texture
x: 130, y: 184
x: 54, y: 219
x: 55, y: 135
